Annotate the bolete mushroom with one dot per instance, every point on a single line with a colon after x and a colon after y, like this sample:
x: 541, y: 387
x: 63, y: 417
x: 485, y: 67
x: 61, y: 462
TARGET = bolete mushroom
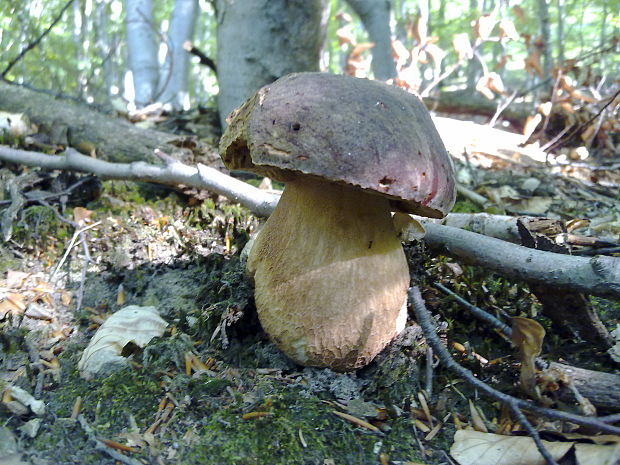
x: 330, y: 274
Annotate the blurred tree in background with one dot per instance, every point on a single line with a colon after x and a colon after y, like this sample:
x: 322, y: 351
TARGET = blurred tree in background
x: 128, y: 54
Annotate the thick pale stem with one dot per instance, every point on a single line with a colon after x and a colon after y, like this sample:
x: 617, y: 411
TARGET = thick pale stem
x: 330, y: 274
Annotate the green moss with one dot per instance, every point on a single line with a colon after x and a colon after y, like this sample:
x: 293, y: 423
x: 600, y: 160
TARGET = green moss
x: 8, y: 261
x: 608, y: 310
x: 40, y: 229
x: 226, y: 291
x: 106, y: 405
x: 465, y: 206
x: 274, y: 439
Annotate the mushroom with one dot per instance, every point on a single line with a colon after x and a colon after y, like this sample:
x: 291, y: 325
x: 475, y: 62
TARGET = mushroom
x: 330, y: 274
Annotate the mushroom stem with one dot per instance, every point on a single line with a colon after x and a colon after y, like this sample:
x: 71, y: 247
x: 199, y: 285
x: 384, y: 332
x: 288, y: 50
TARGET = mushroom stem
x: 330, y: 274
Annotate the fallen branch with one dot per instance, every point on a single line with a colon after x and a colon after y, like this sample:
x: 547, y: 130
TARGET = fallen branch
x: 599, y: 275
x: 423, y: 318
x: 174, y: 173
x: 499, y: 226
x: 600, y: 388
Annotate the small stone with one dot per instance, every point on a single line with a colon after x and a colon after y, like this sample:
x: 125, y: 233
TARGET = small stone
x: 529, y: 185
x: 31, y: 428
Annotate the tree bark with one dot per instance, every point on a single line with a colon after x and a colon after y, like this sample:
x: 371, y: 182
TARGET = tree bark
x: 545, y: 32
x: 71, y: 124
x: 472, y: 65
x: 599, y: 275
x: 468, y: 102
x: 141, y: 50
x: 262, y: 40
x: 600, y: 388
x: 174, y: 72
x: 560, y: 32
x: 375, y: 15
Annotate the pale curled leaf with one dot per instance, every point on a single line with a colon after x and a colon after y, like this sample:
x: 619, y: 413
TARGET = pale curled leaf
x: 476, y: 448
x: 134, y: 324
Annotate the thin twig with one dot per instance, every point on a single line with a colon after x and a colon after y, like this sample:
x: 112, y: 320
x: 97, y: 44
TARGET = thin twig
x: 33, y: 44
x: 553, y: 98
x: 51, y: 195
x: 429, y: 372
x: 580, y: 128
x: 477, y: 311
x: 71, y: 244
x: 501, y: 107
x: 424, y: 320
x: 102, y: 446
x: 84, y: 243
x: 204, y: 59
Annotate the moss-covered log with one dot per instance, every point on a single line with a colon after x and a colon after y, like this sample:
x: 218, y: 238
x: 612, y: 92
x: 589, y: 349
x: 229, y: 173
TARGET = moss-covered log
x: 79, y: 126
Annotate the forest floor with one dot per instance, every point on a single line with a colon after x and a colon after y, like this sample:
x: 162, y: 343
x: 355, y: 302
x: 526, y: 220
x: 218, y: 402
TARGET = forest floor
x: 213, y: 389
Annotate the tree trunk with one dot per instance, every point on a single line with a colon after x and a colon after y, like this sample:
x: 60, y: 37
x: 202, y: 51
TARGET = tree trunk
x: 466, y: 102
x: 545, y: 32
x: 560, y: 32
x: 103, y: 48
x: 472, y: 64
x: 141, y: 50
x: 603, y: 38
x: 262, y: 40
x: 375, y: 15
x: 174, y: 73
x: 80, y: 23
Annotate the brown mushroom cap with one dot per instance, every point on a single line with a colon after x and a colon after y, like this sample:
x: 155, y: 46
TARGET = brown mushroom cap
x: 346, y: 130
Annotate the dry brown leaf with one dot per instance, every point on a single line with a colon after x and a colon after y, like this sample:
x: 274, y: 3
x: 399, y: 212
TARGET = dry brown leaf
x: 476, y: 448
x: 484, y: 26
x: 519, y: 13
x: 583, y: 97
x: 81, y: 216
x: 495, y: 83
x: 463, y: 47
x: 345, y: 35
x: 436, y: 53
x: 532, y: 63
x: 490, y: 84
x: 401, y: 53
x: 360, y: 48
x: 501, y: 63
x: 507, y: 29
x: 588, y: 133
x: 482, y: 86
x: 545, y: 108
x: 16, y: 279
x: 409, y: 77
x: 531, y: 123
x: 419, y: 30
x: 476, y: 419
x: 528, y: 336
x: 11, y: 302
